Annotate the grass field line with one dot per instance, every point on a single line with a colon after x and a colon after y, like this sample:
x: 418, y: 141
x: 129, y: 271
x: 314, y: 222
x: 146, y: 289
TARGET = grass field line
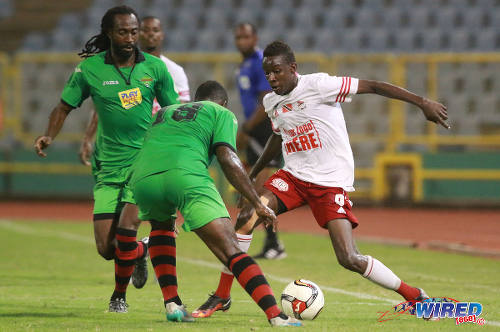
x: 24, y: 229
x: 288, y: 280
x: 433, y: 278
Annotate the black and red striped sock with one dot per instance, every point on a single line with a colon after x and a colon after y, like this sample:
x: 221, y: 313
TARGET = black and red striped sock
x: 162, y: 252
x: 250, y: 277
x: 126, y: 253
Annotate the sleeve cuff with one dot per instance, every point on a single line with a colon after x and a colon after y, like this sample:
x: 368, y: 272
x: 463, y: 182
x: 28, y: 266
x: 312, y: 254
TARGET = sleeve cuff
x: 215, y: 145
x: 66, y: 103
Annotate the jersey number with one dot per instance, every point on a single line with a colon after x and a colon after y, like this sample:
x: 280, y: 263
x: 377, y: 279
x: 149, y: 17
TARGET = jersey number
x: 339, y: 199
x: 186, y: 112
x: 183, y: 113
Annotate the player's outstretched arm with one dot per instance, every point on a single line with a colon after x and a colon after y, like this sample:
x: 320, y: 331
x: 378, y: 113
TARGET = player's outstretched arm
x: 56, y: 121
x: 88, y: 139
x: 236, y: 175
x: 271, y: 150
x: 433, y: 111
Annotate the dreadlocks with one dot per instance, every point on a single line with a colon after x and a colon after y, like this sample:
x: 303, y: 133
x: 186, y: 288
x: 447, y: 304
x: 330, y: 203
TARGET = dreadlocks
x: 101, y: 42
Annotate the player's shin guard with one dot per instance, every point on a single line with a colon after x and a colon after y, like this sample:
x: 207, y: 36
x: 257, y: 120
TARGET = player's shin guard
x: 126, y: 253
x: 383, y: 276
x: 162, y: 252
x: 250, y: 277
x: 226, y: 277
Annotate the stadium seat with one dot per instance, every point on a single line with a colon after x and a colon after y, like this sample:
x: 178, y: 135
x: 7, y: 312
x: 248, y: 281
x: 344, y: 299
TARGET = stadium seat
x: 281, y: 5
x: 459, y: 41
x: 278, y: 20
x: 93, y: 18
x: 255, y: 5
x: 419, y: 18
x: 447, y: 18
x: 35, y: 41
x: 305, y: 19
x: 187, y: 21
x: 207, y: 41
x: 246, y: 15
x: 103, y: 5
x: 487, y: 40
x: 475, y: 19
x: 375, y: 5
x: 351, y: 40
x: 70, y: 22
x: 432, y: 40
x: 298, y: 40
x: 6, y: 8
x: 63, y: 40
x: 343, y: 5
x: 216, y: 20
x: 366, y: 19
x: 489, y: 112
x: 178, y: 41
x: 267, y: 36
x: 332, y: 19
x: 404, y: 40
x: 392, y: 18
x: 378, y: 40
x: 328, y: 40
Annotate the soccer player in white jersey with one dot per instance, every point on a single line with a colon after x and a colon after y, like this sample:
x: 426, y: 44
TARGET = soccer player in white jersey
x: 150, y: 39
x: 310, y: 130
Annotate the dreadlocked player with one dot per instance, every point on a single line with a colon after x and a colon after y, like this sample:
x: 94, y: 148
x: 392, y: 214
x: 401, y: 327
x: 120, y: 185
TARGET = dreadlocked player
x: 122, y: 82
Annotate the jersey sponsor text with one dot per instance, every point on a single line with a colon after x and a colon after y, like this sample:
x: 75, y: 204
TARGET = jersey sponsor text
x: 130, y: 98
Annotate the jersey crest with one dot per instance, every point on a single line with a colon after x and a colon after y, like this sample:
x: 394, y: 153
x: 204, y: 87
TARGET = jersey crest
x: 130, y: 98
x: 289, y: 107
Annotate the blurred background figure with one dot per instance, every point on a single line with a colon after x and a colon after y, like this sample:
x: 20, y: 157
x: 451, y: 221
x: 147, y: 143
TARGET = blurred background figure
x: 256, y: 129
x: 151, y: 40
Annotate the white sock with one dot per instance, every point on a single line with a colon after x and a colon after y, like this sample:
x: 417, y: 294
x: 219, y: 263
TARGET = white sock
x: 244, y: 243
x: 381, y: 274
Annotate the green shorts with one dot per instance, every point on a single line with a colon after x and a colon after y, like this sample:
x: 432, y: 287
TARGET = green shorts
x: 109, y: 199
x: 195, y: 196
x: 111, y: 191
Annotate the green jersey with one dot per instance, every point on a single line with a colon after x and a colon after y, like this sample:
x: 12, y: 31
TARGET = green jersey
x: 185, y: 137
x: 123, y: 98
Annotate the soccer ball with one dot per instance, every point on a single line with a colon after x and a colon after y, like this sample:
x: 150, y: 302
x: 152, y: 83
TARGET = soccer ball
x: 302, y: 299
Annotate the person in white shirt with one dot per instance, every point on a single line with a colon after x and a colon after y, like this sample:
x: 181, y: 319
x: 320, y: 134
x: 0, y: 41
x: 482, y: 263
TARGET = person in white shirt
x: 150, y: 39
x: 309, y: 128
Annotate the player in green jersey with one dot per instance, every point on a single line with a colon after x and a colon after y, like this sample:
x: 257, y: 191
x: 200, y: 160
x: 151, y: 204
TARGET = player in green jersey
x: 171, y: 172
x: 122, y: 82
x: 150, y: 41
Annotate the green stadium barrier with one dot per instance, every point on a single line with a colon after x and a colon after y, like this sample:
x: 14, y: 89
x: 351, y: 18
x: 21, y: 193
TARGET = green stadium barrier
x: 482, y: 188
x: 24, y: 174
x: 60, y: 175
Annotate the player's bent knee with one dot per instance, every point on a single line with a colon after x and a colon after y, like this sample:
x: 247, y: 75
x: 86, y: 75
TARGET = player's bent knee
x: 106, y: 253
x: 106, y: 250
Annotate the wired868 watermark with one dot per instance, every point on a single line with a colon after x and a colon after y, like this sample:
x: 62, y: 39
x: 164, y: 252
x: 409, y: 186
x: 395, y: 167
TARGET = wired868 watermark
x: 436, y: 308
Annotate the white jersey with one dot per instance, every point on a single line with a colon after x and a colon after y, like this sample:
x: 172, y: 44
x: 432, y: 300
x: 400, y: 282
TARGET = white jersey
x: 180, y: 82
x: 310, y: 121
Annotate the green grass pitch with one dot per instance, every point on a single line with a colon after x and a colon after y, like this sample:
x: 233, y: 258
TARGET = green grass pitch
x: 51, y: 279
